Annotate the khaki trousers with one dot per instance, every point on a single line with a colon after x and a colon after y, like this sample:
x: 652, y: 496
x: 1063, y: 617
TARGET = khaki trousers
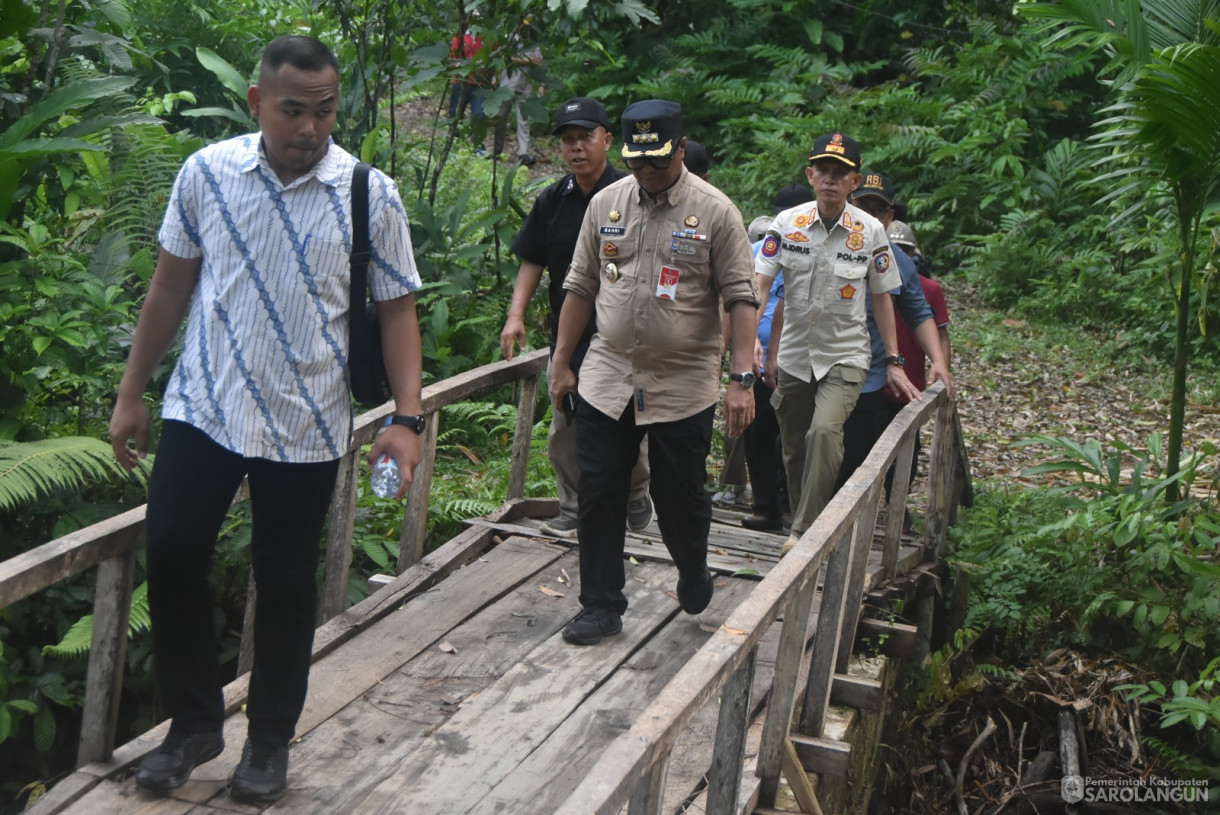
x: 811, y: 416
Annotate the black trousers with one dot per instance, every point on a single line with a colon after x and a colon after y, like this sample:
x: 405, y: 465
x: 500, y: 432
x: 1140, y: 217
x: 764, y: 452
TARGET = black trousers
x: 192, y: 485
x: 763, y: 458
x: 871, y: 416
x: 607, y: 449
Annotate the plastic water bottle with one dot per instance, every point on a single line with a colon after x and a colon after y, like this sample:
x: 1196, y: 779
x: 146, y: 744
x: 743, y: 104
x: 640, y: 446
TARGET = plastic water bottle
x: 386, y: 478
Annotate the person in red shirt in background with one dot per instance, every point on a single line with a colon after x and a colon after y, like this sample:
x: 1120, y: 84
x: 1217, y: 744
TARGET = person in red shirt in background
x: 465, y: 49
x: 903, y: 236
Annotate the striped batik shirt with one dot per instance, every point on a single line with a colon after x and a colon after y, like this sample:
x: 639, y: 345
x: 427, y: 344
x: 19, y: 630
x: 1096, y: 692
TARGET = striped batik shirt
x: 264, y: 360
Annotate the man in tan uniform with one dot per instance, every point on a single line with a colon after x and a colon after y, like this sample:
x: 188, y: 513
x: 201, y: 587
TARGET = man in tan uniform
x: 657, y: 254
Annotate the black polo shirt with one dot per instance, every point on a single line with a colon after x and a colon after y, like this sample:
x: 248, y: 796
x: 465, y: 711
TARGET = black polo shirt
x: 548, y: 238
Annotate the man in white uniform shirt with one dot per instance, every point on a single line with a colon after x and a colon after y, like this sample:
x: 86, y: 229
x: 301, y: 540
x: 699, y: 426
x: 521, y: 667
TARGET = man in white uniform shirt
x: 255, y: 253
x: 833, y: 254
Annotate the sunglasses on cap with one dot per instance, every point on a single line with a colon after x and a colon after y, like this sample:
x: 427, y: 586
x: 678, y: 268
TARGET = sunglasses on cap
x: 661, y: 163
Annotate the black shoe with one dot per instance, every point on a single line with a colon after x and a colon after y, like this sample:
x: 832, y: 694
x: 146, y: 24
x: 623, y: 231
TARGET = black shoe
x: 763, y: 523
x: 262, y: 775
x: 591, y: 624
x: 694, y: 595
x: 170, y: 765
x: 526, y: 160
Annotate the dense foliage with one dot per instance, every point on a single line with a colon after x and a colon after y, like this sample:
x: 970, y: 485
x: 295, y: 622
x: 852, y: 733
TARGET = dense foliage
x: 983, y: 119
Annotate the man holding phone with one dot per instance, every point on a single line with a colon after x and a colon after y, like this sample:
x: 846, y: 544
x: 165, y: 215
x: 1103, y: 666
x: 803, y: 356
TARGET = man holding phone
x: 547, y: 240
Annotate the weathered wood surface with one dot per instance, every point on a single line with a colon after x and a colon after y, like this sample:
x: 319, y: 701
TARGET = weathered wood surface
x: 459, y: 692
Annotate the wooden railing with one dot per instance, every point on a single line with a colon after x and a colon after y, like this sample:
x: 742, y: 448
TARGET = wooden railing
x: 111, y: 546
x: 631, y: 771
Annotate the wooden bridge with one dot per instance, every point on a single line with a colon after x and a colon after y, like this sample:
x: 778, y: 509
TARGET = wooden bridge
x: 449, y: 689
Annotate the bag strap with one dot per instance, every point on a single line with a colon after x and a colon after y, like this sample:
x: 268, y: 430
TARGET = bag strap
x: 360, y: 251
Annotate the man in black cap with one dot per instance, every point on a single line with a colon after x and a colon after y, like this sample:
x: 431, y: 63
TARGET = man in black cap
x: 831, y: 254
x: 657, y: 254
x: 873, y: 411
x: 547, y: 240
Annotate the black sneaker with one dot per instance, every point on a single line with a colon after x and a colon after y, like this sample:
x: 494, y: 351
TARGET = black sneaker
x: 170, y: 765
x: 694, y: 595
x: 262, y: 775
x: 526, y: 160
x: 591, y: 624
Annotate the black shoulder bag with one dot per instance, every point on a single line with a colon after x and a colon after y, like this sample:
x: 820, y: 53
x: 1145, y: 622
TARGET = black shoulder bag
x: 365, y: 364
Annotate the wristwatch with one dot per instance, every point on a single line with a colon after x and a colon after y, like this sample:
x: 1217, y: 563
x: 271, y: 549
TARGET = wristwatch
x: 896, y: 359
x: 746, y: 379
x: 416, y: 423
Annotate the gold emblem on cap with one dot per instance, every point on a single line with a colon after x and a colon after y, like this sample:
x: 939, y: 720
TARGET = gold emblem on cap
x: 615, y: 215
x: 692, y: 221
x: 612, y: 272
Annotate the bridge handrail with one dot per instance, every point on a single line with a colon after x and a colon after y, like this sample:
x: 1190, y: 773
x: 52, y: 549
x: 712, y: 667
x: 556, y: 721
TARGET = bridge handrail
x: 632, y: 770
x: 110, y: 546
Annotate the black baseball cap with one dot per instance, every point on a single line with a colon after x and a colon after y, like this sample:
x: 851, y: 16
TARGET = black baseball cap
x: 651, y: 129
x: 582, y: 111
x: 696, y: 158
x: 876, y: 184
x: 837, y: 146
x: 792, y: 195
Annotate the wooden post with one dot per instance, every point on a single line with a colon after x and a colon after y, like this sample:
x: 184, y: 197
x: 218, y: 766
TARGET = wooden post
x: 522, y: 437
x: 940, y: 472
x: 415, y: 520
x: 724, y: 777
x: 339, y: 531
x: 826, y: 639
x: 245, y: 653
x: 862, y: 544
x: 104, y: 680
x: 897, y: 505
x: 788, y: 660
x: 646, y: 800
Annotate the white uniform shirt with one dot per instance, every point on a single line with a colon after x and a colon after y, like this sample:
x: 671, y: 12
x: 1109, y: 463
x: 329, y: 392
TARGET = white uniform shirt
x: 263, y: 370
x: 827, y: 276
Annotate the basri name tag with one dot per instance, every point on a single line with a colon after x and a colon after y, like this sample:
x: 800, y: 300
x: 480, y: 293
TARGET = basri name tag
x: 613, y: 230
x: 667, y: 286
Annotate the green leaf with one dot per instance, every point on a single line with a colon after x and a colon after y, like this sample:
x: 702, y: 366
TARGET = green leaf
x: 24, y: 705
x: 226, y: 73
x: 75, y: 94
x: 44, y: 730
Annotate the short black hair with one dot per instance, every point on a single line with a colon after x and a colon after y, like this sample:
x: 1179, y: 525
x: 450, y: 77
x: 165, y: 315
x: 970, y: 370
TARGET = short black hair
x: 696, y: 158
x: 300, y: 51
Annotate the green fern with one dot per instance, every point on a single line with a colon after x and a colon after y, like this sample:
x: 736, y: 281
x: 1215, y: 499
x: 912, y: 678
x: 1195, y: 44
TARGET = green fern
x: 34, y: 469
x: 79, y: 638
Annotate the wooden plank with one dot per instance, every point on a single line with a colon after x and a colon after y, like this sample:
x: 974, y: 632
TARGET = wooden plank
x: 245, y: 651
x: 454, y: 389
x: 822, y: 756
x: 484, y: 741
x: 724, y: 777
x: 411, y: 541
x: 110, y: 798
x: 352, y: 669
x: 375, y: 732
x: 798, y: 780
x: 608, y: 782
x: 826, y: 640
x: 897, y: 505
x: 560, y: 763
x: 647, y: 797
x: 858, y: 692
x: 79, y: 551
x: 522, y: 436
x: 339, y: 527
x: 104, y: 677
x: 940, y: 473
x: 862, y: 542
x: 897, y: 640
x: 783, y: 691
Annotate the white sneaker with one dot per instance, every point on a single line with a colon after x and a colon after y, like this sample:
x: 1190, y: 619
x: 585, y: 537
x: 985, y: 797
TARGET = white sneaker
x: 792, y: 541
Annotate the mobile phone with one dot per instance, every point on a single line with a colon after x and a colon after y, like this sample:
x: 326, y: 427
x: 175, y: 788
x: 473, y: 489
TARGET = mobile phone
x: 569, y: 406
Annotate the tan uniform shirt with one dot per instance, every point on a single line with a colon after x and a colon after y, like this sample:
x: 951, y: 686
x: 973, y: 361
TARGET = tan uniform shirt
x: 657, y: 271
x: 827, y: 276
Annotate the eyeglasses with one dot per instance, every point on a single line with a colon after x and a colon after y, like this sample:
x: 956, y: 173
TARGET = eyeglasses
x: 661, y: 163
x: 872, y: 205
